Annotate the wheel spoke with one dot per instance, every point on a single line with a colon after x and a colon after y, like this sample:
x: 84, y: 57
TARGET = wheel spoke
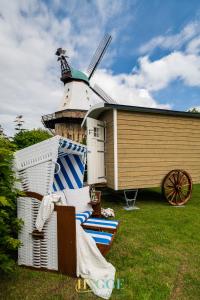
x: 171, y: 181
x: 179, y: 197
x: 178, y: 173
x: 187, y: 184
x: 174, y: 178
x: 171, y: 194
x: 183, y: 176
x: 181, y: 192
x: 169, y: 186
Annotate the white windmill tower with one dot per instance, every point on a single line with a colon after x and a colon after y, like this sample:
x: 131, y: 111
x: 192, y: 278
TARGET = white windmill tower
x: 78, y: 95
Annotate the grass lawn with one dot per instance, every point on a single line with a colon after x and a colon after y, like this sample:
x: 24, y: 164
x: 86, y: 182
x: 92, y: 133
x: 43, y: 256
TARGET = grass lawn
x: 156, y: 253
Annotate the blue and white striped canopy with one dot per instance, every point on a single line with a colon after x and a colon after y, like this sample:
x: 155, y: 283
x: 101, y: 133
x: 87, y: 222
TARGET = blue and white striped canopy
x: 71, y: 161
x: 68, y: 146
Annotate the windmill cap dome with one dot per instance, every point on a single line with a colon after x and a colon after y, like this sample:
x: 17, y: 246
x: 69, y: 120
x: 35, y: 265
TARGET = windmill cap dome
x: 76, y: 74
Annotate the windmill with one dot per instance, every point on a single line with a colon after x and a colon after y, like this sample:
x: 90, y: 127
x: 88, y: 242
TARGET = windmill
x: 79, y: 95
x: 78, y: 89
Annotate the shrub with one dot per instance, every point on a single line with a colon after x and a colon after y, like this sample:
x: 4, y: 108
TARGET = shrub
x: 27, y: 138
x: 9, y: 224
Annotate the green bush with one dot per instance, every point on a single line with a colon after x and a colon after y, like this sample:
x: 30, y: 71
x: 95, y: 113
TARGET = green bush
x: 30, y: 137
x: 9, y: 224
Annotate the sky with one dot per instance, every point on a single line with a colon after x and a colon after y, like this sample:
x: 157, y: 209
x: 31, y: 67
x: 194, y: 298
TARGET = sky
x: 153, y: 60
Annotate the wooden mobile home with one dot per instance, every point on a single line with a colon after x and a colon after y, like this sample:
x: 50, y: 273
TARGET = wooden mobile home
x: 136, y: 147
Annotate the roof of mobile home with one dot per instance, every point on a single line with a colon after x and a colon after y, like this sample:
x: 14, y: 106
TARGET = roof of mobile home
x: 96, y: 110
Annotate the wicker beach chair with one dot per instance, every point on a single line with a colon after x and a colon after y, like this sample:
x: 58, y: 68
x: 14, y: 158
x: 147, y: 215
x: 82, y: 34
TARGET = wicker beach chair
x: 46, y: 167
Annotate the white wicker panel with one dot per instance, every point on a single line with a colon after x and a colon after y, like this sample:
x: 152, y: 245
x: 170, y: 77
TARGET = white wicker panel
x: 25, y: 252
x: 36, y: 252
x: 37, y: 154
x: 38, y: 178
x: 36, y: 242
x: 45, y: 254
x: 51, y: 238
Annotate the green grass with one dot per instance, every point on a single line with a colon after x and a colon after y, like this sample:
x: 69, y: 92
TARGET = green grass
x: 156, y: 254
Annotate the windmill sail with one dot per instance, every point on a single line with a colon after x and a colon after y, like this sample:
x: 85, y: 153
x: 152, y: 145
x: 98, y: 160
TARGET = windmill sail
x: 98, y: 55
x: 102, y: 94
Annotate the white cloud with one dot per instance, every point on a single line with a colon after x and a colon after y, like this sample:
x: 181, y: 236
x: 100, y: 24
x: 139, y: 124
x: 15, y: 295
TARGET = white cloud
x: 156, y: 75
x: 179, y: 64
x: 29, y: 36
x: 123, y: 90
x: 194, y: 46
x: 30, y: 32
x: 173, y: 41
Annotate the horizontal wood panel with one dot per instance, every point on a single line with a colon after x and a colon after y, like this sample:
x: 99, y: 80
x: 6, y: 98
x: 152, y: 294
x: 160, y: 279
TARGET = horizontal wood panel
x: 158, y: 139
x: 158, y: 148
x: 135, y: 160
x: 131, y: 153
x: 144, y: 181
x: 127, y: 133
x: 157, y: 173
x: 147, y: 180
x: 162, y: 153
x: 137, y: 185
x: 149, y: 146
x: 159, y: 123
x: 157, y: 129
x: 122, y: 115
x: 157, y: 166
x: 144, y: 142
x: 140, y: 185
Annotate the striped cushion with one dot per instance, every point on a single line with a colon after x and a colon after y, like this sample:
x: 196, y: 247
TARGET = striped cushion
x: 100, y: 237
x: 101, y: 223
x: 82, y: 217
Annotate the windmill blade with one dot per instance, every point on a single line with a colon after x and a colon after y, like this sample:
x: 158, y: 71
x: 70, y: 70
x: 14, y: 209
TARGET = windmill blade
x: 98, y: 55
x: 102, y: 94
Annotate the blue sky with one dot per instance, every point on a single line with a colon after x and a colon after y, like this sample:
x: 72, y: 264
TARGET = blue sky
x: 153, y: 60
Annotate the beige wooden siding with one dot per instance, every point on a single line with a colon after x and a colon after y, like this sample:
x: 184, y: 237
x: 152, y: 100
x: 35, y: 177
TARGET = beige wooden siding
x: 109, y: 148
x: 149, y: 146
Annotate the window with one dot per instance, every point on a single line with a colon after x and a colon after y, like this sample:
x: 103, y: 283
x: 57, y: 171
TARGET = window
x: 96, y: 132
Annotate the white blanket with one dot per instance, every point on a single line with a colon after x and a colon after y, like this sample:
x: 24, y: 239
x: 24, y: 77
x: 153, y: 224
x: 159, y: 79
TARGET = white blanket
x: 46, y: 209
x: 92, y: 266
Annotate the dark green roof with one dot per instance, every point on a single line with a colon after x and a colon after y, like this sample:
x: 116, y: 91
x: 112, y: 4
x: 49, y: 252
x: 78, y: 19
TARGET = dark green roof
x: 76, y: 74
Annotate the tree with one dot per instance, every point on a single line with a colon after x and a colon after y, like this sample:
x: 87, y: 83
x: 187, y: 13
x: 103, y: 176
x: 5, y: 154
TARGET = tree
x: 19, y: 122
x: 9, y: 224
x: 27, y: 138
x: 194, y: 110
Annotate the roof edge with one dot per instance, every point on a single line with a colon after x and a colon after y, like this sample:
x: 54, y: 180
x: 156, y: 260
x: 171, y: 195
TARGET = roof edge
x: 99, y: 107
x: 160, y: 111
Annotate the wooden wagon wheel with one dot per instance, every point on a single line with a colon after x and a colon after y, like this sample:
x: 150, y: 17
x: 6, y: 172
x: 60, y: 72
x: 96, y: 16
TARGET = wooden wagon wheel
x: 177, y: 187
